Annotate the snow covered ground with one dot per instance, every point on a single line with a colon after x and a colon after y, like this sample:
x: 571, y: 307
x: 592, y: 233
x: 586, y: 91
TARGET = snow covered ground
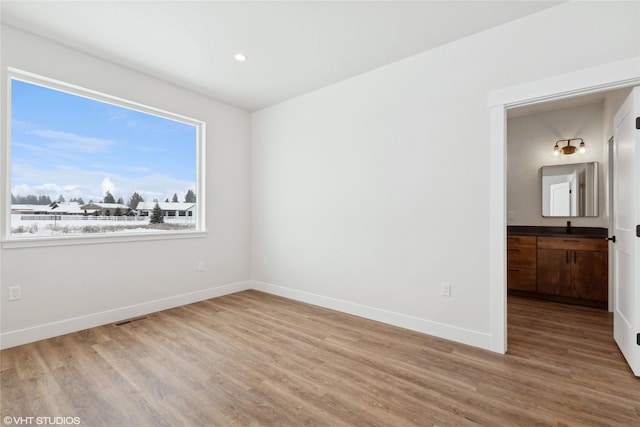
x: 86, y: 225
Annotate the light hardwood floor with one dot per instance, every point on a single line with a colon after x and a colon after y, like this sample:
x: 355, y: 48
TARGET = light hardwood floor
x: 256, y: 359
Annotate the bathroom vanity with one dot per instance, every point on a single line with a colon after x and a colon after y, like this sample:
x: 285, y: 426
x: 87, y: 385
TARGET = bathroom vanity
x: 558, y: 263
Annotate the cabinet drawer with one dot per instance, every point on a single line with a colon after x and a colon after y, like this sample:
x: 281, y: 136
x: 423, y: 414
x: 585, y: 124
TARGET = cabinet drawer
x: 521, y: 257
x: 569, y: 243
x: 520, y: 241
x: 522, y: 279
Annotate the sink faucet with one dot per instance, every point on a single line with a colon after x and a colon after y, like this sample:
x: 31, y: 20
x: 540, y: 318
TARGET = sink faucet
x: 568, y: 227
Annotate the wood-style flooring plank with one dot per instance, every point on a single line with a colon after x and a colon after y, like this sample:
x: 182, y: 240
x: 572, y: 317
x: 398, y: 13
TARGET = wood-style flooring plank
x: 253, y: 359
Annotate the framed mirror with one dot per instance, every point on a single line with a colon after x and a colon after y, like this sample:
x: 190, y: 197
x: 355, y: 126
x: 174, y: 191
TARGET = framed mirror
x: 570, y: 190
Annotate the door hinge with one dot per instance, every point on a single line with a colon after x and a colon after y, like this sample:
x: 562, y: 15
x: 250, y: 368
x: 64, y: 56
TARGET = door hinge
x: 638, y: 230
x: 638, y: 339
x: 637, y: 122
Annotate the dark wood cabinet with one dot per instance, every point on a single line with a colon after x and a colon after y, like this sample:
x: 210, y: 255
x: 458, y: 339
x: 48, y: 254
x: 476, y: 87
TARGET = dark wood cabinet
x: 554, y: 272
x: 564, y: 269
x: 574, y: 267
x: 589, y: 275
x: 521, y: 263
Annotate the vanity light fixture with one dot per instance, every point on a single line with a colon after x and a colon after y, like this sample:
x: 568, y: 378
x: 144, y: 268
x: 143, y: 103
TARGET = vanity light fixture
x: 569, y: 149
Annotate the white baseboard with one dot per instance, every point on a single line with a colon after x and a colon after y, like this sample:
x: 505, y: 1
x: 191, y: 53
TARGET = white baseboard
x: 36, y: 333
x: 440, y: 330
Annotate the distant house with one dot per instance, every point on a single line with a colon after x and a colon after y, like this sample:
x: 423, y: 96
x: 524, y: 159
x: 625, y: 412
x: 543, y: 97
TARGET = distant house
x: 23, y: 209
x: 55, y: 208
x: 169, y: 209
x: 106, y: 209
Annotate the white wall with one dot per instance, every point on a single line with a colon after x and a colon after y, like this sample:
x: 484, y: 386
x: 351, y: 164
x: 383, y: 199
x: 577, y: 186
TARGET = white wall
x: 530, y: 141
x: 367, y: 194
x: 73, y: 287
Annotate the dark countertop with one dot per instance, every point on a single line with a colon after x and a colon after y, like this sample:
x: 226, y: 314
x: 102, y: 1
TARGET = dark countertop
x: 588, y: 232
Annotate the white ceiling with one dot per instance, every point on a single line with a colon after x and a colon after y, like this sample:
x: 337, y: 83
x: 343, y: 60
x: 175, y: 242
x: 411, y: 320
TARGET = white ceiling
x: 293, y: 47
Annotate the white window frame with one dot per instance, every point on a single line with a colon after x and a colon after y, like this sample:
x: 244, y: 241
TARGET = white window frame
x: 5, y: 153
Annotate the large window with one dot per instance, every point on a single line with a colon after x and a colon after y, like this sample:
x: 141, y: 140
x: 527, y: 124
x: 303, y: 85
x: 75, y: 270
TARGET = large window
x: 84, y: 165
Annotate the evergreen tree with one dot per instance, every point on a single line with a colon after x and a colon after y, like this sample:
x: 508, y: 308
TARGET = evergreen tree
x: 156, y: 215
x: 44, y: 200
x: 108, y: 198
x: 60, y: 199
x: 175, y: 198
x: 80, y: 201
x: 118, y: 212
x: 134, y: 200
x: 190, y: 197
x: 13, y: 199
x: 120, y: 201
x: 167, y: 201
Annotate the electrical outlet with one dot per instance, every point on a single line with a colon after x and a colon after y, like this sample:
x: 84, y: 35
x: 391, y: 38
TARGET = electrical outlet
x: 200, y: 265
x: 445, y: 289
x: 15, y: 293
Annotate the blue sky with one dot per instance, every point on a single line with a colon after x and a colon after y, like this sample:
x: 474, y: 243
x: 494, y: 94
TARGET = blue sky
x: 79, y: 147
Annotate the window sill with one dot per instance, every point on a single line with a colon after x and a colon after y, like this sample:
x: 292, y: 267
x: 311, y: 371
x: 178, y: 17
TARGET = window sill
x: 90, y: 240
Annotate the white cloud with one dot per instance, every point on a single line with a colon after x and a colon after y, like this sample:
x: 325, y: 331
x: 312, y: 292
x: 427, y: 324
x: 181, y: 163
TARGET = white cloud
x: 122, y: 115
x: 147, y: 149
x: 48, y: 188
x: 22, y: 190
x: 107, y: 185
x: 72, y: 182
x: 22, y: 125
x: 105, y: 166
x: 72, y: 142
x: 29, y: 147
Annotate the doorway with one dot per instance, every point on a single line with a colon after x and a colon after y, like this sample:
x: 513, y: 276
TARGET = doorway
x: 573, y: 190
x: 618, y: 75
x: 579, y: 279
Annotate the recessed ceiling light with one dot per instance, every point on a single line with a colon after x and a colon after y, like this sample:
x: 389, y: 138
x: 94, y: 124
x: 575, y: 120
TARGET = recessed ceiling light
x: 240, y: 57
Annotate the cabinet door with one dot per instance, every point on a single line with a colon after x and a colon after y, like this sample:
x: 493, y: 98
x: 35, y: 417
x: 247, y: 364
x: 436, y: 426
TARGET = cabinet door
x: 522, y: 279
x: 554, y: 271
x: 589, y: 274
x: 521, y: 257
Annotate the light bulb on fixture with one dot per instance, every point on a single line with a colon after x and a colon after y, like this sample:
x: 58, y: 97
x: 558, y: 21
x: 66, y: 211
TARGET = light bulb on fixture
x: 582, y: 148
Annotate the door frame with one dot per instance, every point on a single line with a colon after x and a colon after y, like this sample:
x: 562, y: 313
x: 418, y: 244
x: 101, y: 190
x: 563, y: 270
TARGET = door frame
x: 616, y: 75
x: 611, y: 212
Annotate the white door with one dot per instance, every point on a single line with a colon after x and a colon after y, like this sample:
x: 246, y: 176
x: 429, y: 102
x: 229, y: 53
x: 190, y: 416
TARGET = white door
x: 626, y: 249
x: 560, y: 199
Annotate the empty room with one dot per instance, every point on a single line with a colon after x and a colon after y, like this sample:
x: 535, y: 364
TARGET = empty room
x: 358, y: 213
